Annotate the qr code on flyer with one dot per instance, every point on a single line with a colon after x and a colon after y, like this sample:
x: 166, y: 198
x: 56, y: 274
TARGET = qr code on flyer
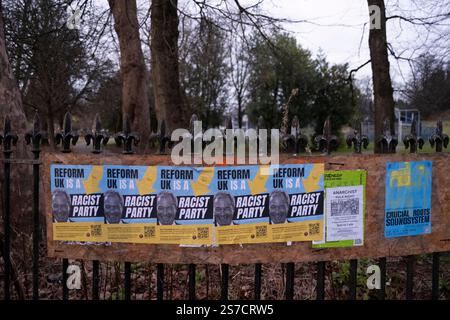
x: 149, y: 232
x: 349, y: 207
x: 202, y: 233
x: 314, y: 228
x: 261, y: 231
x: 96, y: 230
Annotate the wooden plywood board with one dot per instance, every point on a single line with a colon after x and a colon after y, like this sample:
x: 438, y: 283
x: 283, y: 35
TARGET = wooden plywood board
x: 375, y: 244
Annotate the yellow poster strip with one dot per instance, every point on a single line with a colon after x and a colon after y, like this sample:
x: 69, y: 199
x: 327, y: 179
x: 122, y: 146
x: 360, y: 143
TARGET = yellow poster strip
x: 298, y: 231
x: 266, y: 233
x: 79, y: 231
x: 194, y: 234
x: 132, y: 233
x: 244, y: 233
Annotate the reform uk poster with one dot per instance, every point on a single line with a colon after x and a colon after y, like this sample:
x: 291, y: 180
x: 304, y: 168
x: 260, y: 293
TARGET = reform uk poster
x: 103, y: 203
x: 258, y: 204
x: 129, y: 199
x: 184, y: 205
x: 77, y: 203
x: 408, y: 198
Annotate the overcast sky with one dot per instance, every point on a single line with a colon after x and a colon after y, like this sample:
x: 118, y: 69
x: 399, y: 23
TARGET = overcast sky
x: 337, y: 28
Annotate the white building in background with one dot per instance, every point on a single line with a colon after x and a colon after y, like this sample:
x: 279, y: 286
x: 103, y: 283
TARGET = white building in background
x: 403, y: 122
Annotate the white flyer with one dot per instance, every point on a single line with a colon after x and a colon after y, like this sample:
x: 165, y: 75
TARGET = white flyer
x: 344, y: 213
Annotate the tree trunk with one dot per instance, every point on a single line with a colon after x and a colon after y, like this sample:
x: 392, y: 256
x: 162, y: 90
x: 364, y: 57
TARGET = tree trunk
x: 170, y: 103
x: 382, y: 85
x: 135, y: 80
x: 11, y: 106
x: 10, y: 98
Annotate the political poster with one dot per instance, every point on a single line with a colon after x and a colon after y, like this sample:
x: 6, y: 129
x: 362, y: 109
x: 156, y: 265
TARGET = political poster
x: 408, y: 198
x: 77, y: 203
x: 129, y: 199
x: 187, y: 205
x: 260, y: 204
x: 103, y: 203
x: 184, y: 205
x: 344, y: 209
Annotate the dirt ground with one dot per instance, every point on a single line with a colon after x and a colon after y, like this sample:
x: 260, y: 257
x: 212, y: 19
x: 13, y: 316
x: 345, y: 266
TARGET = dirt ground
x: 241, y: 280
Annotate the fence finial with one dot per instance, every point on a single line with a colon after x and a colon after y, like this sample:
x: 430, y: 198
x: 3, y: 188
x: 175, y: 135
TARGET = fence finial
x: 126, y: 137
x: 412, y: 140
x: 295, y: 139
x: 161, y: 136
x: 67, y: 135
x: 440, y: 139
x: 387, y: 142
x: 98, y: 136
x: 358, y: 140
x: 8, y: 138
x: 326, y: 142
x: 35, y: 135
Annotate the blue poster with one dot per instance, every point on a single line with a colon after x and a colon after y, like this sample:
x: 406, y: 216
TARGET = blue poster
x: 408, y: 199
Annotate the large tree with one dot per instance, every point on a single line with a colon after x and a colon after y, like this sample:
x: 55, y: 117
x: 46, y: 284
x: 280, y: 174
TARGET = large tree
x: 135, y: 77
x: 10, y: 98
x: 277, y: 67
x: 11, y: 106
x: 170, y: 102
x: 56, y: 67
x: 382, y: 85
x: 429, y: 87
x: 280, y: 66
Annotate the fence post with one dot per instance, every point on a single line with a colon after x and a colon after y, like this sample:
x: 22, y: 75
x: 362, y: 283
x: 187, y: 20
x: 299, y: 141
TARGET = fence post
x: 160, y: 281
x: 353, y: 279
x: 258, y: 276
x: 411, y: 141
x: 34, y: 137
x: 65, y: 265
x: 320, y: 287
x: 435, y: 277
x: 98, y: 137
x: 388, y: 143
x: 127, y: 139
x: 224, y: 283
x: 358, y: 141
x: 440, y: 140
x: 192, y: 281
x: 410, y: 277
x: 326, y: 142
x: 65, y: 138
x: 290, y: 276
x: 8, y: 139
